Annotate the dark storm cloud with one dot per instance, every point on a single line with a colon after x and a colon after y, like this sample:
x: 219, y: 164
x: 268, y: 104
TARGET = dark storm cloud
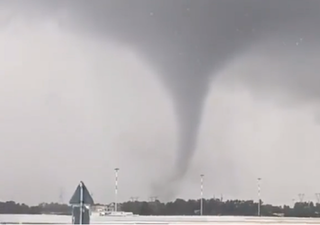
x: 187, y: 41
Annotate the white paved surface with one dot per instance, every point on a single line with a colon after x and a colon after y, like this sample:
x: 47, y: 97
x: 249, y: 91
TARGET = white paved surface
x: 182, y: 220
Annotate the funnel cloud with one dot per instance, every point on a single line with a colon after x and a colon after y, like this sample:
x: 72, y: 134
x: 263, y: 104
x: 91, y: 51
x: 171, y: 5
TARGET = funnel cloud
x: 189, y: 44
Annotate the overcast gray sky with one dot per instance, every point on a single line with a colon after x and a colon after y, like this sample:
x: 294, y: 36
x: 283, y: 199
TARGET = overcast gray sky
x: 87, y: 86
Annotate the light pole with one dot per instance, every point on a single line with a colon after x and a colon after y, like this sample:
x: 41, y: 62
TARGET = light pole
x: 201, y: 193
x: 259, y: 196
x: 116, y: 189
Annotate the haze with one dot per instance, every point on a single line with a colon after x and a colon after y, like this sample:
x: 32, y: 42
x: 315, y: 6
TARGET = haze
x: 87, y: 87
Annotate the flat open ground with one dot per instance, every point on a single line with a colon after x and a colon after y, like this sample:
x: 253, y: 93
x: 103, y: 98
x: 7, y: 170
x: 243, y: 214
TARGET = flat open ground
x: 230, y: 220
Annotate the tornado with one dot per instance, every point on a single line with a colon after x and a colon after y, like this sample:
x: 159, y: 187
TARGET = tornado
x: 188, y: 42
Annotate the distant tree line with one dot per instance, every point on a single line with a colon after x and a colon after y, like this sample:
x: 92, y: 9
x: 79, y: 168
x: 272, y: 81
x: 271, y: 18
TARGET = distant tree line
x: 219, y: 207
x: 179, y: 207
x: 12, y: 207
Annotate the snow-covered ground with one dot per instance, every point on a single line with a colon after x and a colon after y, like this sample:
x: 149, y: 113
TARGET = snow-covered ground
x: 181, y: 220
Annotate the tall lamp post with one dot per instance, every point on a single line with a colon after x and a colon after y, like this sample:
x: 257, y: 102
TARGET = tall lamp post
x: 116, y: 189
x: 259, y: 196
x: 201, y: 194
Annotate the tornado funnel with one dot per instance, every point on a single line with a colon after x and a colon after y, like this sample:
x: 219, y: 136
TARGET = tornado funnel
x: 188, y: 42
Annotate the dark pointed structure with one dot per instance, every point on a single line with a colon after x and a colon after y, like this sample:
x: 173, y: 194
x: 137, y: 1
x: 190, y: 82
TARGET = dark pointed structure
x: 76, y: 197
x: 80, y: 201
